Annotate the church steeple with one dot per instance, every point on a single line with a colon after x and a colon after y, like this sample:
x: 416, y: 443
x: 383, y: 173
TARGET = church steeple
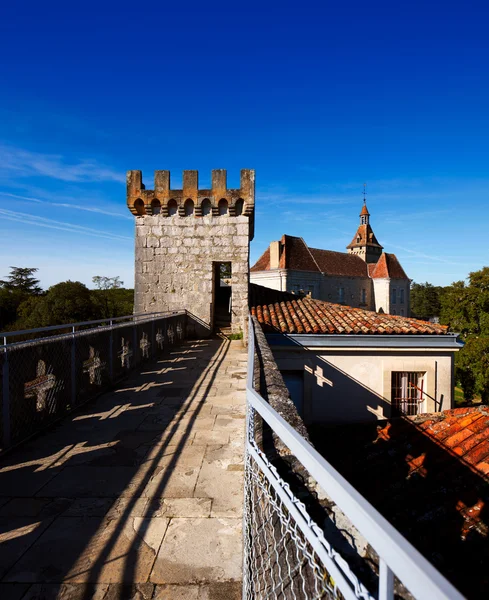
x: 365, y: 244
x: 364, y: 214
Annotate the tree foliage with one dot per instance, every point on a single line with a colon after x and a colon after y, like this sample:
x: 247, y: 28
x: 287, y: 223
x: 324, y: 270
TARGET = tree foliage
x: 66, y: 302
x: 19, y: 285
x: 22, y: 279
x: 465, y: 309
x: 23, y: 304
x: 110, y: 298
x: 425, y: 300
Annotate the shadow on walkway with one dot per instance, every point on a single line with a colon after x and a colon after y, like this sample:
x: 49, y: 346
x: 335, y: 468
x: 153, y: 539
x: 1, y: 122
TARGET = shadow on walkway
x: 139, y: 494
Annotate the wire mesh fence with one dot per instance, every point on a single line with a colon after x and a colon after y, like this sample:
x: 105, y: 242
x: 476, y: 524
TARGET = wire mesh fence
x: 43, y: 379
x: 280, y: 562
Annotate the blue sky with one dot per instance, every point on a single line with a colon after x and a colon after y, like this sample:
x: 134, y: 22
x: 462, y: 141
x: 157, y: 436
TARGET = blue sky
x: 318, y: 97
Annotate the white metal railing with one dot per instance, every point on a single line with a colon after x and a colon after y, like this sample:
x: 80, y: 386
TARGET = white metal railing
x: 286, y: 554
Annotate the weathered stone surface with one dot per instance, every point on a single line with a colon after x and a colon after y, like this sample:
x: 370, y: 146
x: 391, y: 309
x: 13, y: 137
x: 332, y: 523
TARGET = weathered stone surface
x: 182, y: 275
x: 66, y: 591
x: 199, y: 550
x: 180, y: 507
x: 17, y: 535
x: 112, y: 554
x: 98, y: 520
x: 226, y: 590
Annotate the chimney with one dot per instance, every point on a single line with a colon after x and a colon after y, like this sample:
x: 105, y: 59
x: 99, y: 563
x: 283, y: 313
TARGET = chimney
x: 274, y: 255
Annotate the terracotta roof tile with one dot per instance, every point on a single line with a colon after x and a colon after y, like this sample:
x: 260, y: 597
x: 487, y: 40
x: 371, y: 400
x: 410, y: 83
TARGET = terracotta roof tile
x: 429, y: 476
x: 263, y: 263
x: 364, y: 237
x: 387, y: 267
x: 288, y: 313
x: 296, y: 255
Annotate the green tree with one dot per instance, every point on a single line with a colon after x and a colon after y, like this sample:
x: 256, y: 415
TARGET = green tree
x: 110, y: 298
x: 21, y: 279
x: 465, y: 309
x: 19, y: 285
x: 425, y: 300
x: 66, y: 302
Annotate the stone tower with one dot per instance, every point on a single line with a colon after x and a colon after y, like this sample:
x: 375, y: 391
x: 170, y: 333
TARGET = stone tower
x: 365, y: 244
x: 192, y: 247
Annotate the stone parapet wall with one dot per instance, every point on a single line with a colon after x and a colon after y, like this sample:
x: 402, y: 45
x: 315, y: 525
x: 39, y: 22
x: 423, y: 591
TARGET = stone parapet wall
x: 181, y: 235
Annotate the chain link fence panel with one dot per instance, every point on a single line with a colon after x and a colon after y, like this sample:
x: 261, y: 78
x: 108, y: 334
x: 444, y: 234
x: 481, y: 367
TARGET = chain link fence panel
x: 43, y: 379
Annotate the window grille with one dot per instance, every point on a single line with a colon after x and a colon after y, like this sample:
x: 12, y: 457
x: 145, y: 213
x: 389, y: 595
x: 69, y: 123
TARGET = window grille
x: 407, y: 391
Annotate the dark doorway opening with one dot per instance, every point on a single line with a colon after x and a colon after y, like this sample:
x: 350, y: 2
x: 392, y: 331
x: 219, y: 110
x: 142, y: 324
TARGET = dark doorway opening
x: 222, y: 297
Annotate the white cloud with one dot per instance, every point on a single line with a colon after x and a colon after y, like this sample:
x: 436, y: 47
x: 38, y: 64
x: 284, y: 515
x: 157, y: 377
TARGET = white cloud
x: 36, y: 221
x: 77, y: 207
x: 16, y: 162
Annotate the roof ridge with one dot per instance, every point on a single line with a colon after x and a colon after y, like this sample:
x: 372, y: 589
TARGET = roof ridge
x: 311, y: 255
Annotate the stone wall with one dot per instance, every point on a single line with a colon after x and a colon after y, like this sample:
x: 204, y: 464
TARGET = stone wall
x: 176, y: 251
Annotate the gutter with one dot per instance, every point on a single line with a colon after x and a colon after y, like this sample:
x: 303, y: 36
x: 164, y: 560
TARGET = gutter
x: 385, y: 342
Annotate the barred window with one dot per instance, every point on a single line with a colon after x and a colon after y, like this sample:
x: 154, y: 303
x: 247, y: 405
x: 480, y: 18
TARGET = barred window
x: 407, y: 391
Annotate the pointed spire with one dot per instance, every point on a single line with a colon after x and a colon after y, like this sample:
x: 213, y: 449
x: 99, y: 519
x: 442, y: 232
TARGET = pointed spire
x: 364, y: 214
x: 365, y: 244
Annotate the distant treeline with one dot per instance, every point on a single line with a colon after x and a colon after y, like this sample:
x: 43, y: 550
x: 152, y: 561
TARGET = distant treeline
x: 25, y: 305
x: 464, y: 307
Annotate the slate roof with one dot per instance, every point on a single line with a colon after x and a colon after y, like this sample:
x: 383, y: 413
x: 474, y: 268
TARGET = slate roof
x: 282, y: 312
x: 429, y: 476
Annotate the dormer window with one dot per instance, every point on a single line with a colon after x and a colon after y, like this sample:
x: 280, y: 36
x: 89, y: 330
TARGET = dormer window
x: 358, y: 239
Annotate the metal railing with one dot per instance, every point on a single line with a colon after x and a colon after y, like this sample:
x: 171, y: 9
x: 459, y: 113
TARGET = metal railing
x: 286, y: 554
x: 43, y: 378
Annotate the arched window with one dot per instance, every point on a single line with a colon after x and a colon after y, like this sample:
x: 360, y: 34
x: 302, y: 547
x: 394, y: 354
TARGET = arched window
x: 189, y: 207
x: 223, y: 206
x: 238, y: 207
x: 139, y: 206
x: 172, y: 208
x: 155, y: 207
x: 206, y: 207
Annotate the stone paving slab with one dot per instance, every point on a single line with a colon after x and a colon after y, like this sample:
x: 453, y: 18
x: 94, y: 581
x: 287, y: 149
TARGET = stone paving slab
x: 199, y: 550
x: 137, y: 496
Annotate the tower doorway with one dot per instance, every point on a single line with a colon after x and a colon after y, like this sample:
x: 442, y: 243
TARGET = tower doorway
x: 222, y: 297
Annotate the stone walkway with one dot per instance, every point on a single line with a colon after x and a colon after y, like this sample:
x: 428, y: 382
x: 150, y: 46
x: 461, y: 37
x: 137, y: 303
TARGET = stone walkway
x: 138, y: 496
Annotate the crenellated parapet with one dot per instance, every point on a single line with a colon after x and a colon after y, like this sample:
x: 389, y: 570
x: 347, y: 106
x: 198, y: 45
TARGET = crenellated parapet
x: 190, y: 200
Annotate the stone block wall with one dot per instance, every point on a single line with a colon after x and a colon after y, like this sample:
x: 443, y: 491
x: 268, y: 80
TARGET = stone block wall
x: 176, y: 250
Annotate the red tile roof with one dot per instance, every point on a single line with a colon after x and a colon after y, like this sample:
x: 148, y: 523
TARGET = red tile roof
x: 364, y: 211
x: 296, y: 255
x: 281, y: 312
x: 339, y: 263
x: 263, y: 263
x: 364, y: 237
x: 429, y: 476
x: 387, y: 267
